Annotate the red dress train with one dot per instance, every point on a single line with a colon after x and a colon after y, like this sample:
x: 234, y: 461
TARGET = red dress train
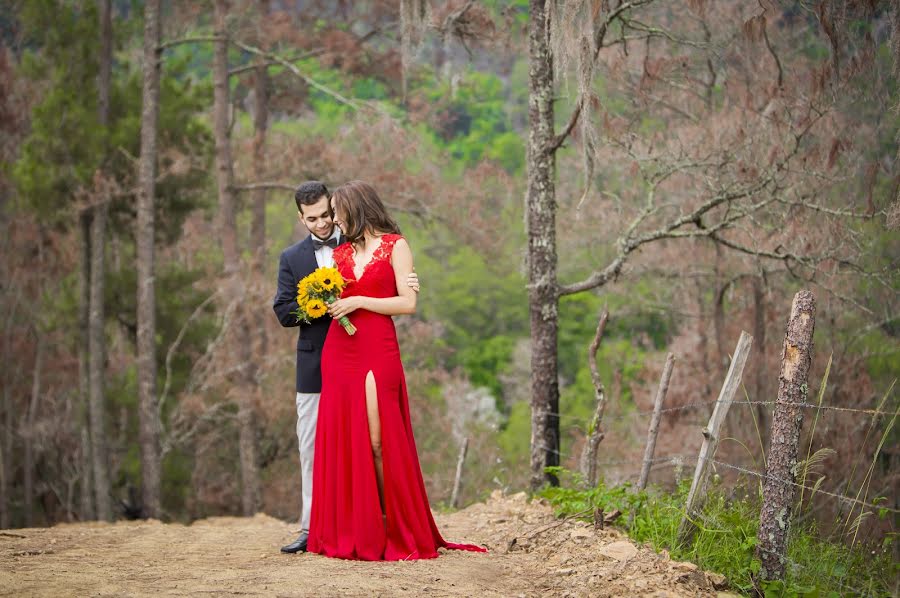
x: 346, y: 517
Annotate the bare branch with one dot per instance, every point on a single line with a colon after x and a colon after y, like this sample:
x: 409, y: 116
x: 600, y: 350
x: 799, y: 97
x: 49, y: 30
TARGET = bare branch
x: 265, y: 185
x: 296, y: 71
x: 275, y: 59
x: 176, y: 343
x: 775, y: 56
x: 254, y: 66
x: 188, y: 40
x: 573, y: 120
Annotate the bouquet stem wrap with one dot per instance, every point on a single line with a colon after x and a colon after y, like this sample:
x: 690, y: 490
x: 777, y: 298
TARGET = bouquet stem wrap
x: 345, y: 322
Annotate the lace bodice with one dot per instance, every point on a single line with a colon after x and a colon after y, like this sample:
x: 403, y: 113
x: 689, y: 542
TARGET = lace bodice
x: 377, y: 278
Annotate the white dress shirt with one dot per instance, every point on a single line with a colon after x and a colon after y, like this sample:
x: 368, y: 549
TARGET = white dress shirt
x: 325, y: 254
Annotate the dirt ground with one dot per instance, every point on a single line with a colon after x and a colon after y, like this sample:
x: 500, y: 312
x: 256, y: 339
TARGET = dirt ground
x: 240, y: 556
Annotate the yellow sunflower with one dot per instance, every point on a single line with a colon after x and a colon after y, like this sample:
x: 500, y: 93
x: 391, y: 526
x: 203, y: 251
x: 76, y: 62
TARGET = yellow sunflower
x: 302, y: 292
x: 329, y: 278
x: 316, y: 308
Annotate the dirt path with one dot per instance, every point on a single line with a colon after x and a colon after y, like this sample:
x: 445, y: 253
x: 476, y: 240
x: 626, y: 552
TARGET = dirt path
x: 239, y: 556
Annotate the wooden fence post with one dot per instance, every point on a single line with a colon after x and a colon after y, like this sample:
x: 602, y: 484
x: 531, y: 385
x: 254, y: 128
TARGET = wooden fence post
x: 779, y: 488
x: 711, y: 434
x: 654, y: 420
x: 454, y: 496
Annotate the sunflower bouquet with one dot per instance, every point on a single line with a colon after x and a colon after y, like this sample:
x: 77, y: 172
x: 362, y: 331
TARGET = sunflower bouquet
x: 316, y: 291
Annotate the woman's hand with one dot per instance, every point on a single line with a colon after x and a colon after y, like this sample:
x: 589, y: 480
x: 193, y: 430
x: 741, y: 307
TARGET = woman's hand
x: 345, y: 307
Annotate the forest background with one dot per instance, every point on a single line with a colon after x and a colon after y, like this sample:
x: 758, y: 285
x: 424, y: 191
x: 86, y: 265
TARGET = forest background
x: 760, y: 138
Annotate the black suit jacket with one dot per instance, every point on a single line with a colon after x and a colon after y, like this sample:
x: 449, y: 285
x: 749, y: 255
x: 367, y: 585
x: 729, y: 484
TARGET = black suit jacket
x: 295, y: 262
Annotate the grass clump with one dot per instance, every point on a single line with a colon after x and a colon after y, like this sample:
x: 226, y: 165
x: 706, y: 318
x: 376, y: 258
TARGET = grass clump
x: 725, y: 540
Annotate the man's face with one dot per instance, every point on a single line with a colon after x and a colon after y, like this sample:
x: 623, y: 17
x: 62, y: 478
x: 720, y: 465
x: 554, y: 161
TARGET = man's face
x: 317, y: 218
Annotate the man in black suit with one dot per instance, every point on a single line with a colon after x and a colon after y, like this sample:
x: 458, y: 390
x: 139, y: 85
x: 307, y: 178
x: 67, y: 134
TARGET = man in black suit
x: 297, y: 261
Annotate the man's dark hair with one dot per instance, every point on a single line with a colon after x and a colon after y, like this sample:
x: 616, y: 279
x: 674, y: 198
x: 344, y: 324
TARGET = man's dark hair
x: 309, y: 193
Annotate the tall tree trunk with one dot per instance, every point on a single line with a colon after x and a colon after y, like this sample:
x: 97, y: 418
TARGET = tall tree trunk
x: 412, y: 15
x: 250, y: 494
x: 6, y: 439
x: 148, y: 409
x: 543, y: 295
x: 99, y: 445
x: 4, y: 461
x: 96, y: 311
x: 85, y: 488
x: 260, y: 126
x: 31, y: 416
x: 224, y: 165
x: 84, y: 310
x: 105, y: 74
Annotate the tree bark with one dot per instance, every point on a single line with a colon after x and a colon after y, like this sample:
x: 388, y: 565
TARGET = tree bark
x: 105, y: 74
x: 6, y: 439
x: 250, y: 494
x: 30, y: 418
x: 148, y: 410
x: 96, y: 245
x: 779, y: 488
x: 260, y: 127
x: 85, y: 488
x: 84, y: 351
x: 543, y: 295
x: 4, y: 464
x: 96, y: 363
x: 224, y: 164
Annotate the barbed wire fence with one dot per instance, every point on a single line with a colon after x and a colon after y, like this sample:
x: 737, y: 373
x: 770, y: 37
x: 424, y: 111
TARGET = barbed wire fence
x: 785, y: 482
x: 683, y: 459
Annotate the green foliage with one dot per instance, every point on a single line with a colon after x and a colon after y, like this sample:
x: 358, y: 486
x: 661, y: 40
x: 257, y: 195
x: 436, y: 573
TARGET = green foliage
x: 51, y: 166
x: 483, y: 307
x: 515, y: 438
x: 615, y: 356
x: 469, y: 119
x: 485, y: 360
x: 725, y: 541
x: 66, y: 145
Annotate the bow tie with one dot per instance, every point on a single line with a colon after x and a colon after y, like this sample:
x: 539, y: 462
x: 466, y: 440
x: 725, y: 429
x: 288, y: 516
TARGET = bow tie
x: 319, y: 244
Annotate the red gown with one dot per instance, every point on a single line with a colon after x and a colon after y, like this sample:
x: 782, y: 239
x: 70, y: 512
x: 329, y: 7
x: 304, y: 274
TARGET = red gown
x: 346, y: 519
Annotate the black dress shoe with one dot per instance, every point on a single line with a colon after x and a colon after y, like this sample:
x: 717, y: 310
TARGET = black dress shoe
x: 298, y: 545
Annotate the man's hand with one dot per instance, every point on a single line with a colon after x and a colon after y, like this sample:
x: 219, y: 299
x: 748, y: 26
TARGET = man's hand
x: 412, y: 281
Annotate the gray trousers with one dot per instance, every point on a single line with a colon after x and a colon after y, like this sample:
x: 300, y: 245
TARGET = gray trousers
x: 307, y: 412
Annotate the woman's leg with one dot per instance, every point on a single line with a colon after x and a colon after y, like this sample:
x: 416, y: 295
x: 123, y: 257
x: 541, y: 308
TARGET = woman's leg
x: 375, y: 433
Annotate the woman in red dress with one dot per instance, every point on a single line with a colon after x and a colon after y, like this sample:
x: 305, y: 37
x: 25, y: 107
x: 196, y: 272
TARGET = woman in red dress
x: 369, y: 500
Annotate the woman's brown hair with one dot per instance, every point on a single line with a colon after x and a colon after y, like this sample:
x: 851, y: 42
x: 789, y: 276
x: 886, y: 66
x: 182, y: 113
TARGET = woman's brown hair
x: 362, y: 210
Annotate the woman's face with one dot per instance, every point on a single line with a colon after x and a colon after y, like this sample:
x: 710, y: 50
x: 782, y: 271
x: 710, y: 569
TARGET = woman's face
x: 338, y: 216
